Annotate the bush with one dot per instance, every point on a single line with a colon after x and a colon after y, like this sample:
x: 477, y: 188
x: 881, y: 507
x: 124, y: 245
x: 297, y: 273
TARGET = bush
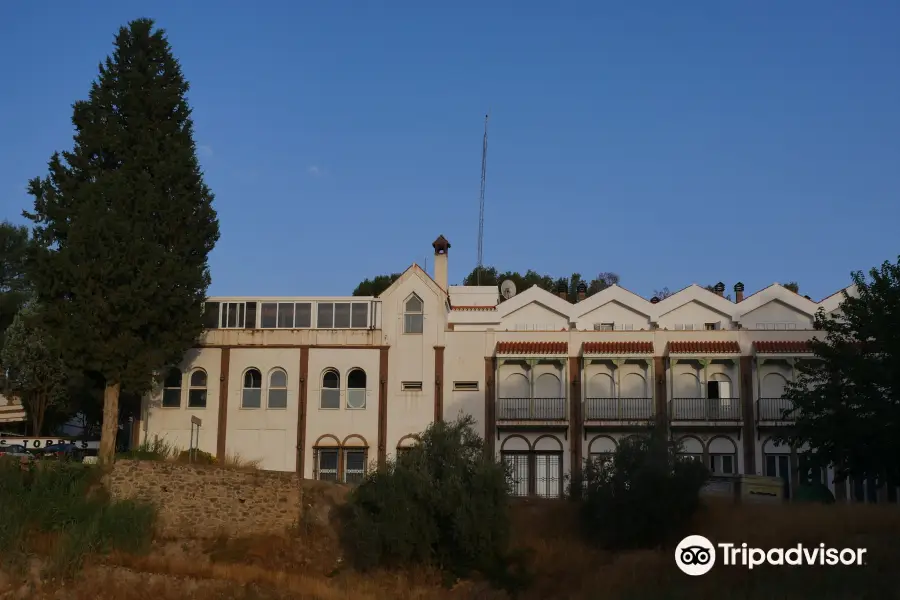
x: 443, y: 503
x: 65, y: 500
x: 642, y: 497
x: 157, y: 449
x: 200, y: 457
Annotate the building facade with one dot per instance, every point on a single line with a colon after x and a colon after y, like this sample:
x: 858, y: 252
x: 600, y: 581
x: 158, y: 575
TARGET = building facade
x: 327, y: 387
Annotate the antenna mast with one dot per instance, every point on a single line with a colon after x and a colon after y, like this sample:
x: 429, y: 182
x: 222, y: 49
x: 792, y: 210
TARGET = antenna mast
x: 481, y: 203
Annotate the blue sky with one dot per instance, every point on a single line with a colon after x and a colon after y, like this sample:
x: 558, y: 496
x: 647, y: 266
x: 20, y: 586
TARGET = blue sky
x: 669, y: 142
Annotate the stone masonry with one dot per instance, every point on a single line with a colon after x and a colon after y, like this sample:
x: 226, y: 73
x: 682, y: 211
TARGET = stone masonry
x: 204, y: 501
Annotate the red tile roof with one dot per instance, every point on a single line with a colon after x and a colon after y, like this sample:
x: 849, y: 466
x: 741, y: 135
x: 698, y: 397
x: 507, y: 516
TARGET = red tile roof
x: 481, y: 308
x: 532, y: 348
x: 707, y: 347
x: 782, y: 347
x: 618, y: 347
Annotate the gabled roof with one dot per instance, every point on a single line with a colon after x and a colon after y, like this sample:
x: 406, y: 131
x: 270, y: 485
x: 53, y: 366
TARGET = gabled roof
x: 613, y: 293
x: 694, y: 293
x: 414, y: 270
x: 538, y: 295
x: 776, y: 293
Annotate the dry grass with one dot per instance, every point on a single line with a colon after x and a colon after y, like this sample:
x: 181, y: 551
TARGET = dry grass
x: 236, y: 461
x: 563, y: 565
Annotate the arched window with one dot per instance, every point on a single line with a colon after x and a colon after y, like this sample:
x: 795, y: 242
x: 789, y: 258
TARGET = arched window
x: 356, y: 389
x: 197, y: 391
x: 251, y: 395
x: 413, y: 315
x: 331, y: 390
x: 172, y: 389
x: 277, y: 389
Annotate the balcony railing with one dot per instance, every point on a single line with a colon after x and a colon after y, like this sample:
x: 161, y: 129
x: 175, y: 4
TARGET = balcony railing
x: 705, y: 409
x: 773, y: 409
x: 531, y: 409
x: 618, y: 409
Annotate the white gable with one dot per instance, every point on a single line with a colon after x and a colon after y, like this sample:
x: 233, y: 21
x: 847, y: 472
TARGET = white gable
x: 621, y: 316
x: 535, y: 316
x: 777, y: 314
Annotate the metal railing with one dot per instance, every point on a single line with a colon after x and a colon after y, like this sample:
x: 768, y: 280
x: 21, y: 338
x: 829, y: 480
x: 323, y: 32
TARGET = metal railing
x: 531, y: 409
x: 773, y: 409
x: 618, y: 409
x: 705, y: 409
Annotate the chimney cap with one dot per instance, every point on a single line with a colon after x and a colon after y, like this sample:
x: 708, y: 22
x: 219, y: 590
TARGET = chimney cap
x: 582, y: 288
x: 719, y: 287
x: 440, y: 245
x: 562, y: 287
x: 654, y: 300
x: 739, y: 287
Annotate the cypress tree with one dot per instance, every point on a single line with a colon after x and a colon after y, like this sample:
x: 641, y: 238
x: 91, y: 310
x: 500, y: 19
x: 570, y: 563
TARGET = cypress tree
x: 123, y: 226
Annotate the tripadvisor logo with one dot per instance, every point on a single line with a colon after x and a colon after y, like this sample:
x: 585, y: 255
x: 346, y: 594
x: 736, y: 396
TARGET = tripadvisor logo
x: 696, y: 555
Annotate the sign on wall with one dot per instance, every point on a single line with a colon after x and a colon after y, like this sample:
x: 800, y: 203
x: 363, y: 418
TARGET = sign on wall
x: 35, y: 443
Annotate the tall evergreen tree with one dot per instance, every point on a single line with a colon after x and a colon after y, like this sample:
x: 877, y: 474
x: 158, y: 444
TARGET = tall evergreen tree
x: 124, y: 224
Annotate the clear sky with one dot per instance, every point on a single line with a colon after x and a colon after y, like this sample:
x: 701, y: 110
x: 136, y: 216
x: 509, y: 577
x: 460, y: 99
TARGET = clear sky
x: 670, y: 142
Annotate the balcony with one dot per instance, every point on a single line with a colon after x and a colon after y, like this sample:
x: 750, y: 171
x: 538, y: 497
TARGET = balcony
x: 618, y: 409
x: 705, y: 409
x: 532, y: 409
x: 773, y: 409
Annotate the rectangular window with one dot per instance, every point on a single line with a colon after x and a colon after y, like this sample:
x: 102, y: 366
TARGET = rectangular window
x: 341, y: 315
x: 211, y: 315
x: 520, y: 472
x: 330, y: 399
x: 197, y: 398
x: 325, y: 315
x: 268, y: 315
x: 250, y: 318
x: 232, y: 315
x: 607, y: 326
x: 721, y: 464
x: 359, y: 316
x: 328, y: 464
x: 285, y: 315
x: 411, y: 386
x: 465, y: 386
x: 413, y: 322
x: 713, y: 326
x: 303, y: 315
x: 354, y: 465
x: 171, y: 398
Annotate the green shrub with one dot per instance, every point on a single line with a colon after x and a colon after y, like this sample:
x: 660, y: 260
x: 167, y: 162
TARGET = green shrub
x: 443, y: 503
x: 200, y: 457
x: 66, y: 499
x: 643, y: 496
x: 157, y: 449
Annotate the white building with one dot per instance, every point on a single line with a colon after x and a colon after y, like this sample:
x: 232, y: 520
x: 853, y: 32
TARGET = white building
x: 326, y: 385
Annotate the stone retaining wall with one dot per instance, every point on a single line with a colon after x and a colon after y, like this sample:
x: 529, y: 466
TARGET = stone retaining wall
x: 205, y: 501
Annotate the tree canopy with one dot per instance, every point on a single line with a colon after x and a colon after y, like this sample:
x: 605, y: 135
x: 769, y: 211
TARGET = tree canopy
x: 14, y: 243
x: 491, y: 276
x: 376, y: 285
x: 124, y: 224
x: 35, y: 374
x: 846, y: 404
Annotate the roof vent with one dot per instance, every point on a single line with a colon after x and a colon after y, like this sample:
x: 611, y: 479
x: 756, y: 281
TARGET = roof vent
x: 654, y: 300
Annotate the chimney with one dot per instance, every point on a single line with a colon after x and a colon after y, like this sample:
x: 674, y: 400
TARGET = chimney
x: 562, y: 290
x: 720, y: 289
x: 582, y: 291
x: 441, y: 245
x: 738, y: 291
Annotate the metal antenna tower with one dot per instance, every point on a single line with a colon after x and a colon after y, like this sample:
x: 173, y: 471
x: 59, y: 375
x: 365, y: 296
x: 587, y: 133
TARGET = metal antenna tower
x: 481, y: 203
